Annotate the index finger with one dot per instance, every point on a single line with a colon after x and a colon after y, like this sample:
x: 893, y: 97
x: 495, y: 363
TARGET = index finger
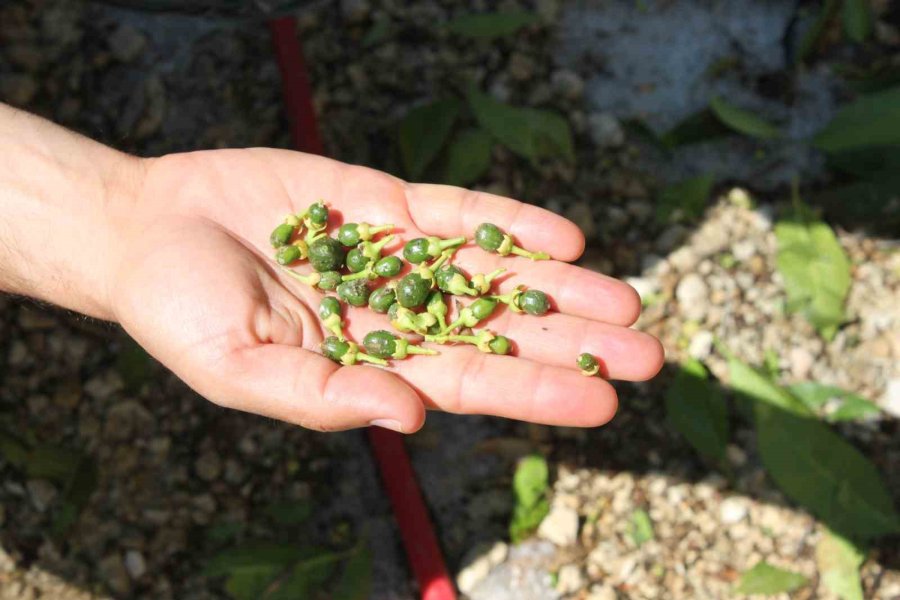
x: 448, y: 211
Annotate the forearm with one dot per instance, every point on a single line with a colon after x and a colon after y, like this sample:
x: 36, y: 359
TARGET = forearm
x: 60, y: 194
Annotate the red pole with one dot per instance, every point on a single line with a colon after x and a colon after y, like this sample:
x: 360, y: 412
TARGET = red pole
x: 416, y: 530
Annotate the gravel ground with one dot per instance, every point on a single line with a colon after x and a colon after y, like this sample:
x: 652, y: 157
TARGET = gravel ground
x: 173, y: 468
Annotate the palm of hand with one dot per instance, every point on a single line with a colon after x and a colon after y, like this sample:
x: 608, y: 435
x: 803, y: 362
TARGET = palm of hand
x: 196, y: 285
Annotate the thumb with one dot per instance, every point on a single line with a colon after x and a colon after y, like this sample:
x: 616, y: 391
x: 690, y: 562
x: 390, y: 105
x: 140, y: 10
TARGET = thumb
x: 299, y: 386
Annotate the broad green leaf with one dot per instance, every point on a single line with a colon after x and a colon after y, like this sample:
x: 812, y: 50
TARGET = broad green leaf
x: 488, y: 26
x: 690, y: 196
x: 531, y: 480
x: 222, y: 533
x: 423, y: 132
x: 290, y: 513
x: 857, y: 17
x: 838, y: 561
x: 819, y: 470
x: 356, y: 579
x: 530, y: 484
x: 531, y: 133
x: 698, y: 127
x: 640, y: 129
x: 743, y: 121
x: 763, y: 578
x: 696, y: 408
x: 468, y: 157
x: 872, y: 120
x: 754, y: 385
x: 52, y: 462
x: 254, y: 555
x: 303, y: 578
x: 249, y: 582
x: 641, y: 529
x: 879, y: 163
x: 852, y: 406
x: 811, y: 38
x: 134, y: 365
x: 816, y: 272
x: 864, y: 203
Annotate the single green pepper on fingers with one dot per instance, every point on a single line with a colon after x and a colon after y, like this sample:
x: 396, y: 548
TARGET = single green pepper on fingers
x: 588, y: 364
x: 491, y: 238
x: 327, y: 254
x: 330, y: 314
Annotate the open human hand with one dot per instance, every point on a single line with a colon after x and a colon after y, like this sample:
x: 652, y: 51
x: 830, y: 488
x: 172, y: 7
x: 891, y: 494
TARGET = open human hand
x: 195, y: 284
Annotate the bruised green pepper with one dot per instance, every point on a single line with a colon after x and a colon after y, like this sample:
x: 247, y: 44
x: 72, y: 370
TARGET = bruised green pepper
x: 327, y: 254
x: 412, y: 291
x: 356, y: 262
x: 291, y: 253
x: 330, y: 314
x: 355, y: 292
x: 473, y: 314
x: 346, y: 352
x: 389, y: 266
x: 384, y: 344
x: 329, y: 280
x: 281, y: 235
x: 381, y: 299
x: 534, y: 302
x: 317, y: 213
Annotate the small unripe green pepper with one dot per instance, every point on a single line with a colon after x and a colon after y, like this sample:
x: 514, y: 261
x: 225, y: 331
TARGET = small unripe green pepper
x: 491, y: 238
x: 588, y: 364
x: 281, y: 235
x: 346, y: 353
x: 421, y: 249
x: 381, y: 299
x: 355, y: 292
x: 330, y: 314
x: 291, y: 252
x: 351, y: 234
x: 327, y: 254
x: 412, y: 291
x: 389, y: 266
x: 329, y: 280
x: 384, y: 344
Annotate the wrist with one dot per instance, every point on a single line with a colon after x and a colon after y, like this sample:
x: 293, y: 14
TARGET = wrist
x: 63, y: 197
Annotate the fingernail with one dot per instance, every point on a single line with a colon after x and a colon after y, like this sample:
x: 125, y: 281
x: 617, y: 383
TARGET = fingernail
x: 391, y: 424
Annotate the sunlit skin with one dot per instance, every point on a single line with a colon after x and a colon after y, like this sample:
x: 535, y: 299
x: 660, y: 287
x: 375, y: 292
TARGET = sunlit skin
x: 183, y: 261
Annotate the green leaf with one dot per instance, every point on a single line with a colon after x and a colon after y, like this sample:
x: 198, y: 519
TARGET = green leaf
x: 530, y: 484
x: 423, y: 132
x: 763, y: 578
x: 488, y: 26
x: 696, y: 408
x: 303, y: 578
x: 468, y: 157
x: 254, y: 554
x: 851, y: 406
x: 811, y: 38
x: 641, y: 529
x: 52, y: 462
x: 249, y: 582
x: 290, y: 513
x: 816, y: 272
x: 222, y: 533
x: 819, y: 470
x: 531, y: 480
x: 863, y: 203
x: 756, y: 386
x: 698, y: 127
x: 743, y: 121
x: 857, y: 16
x: 879, y: 163
x: 690, y: 196
x: 872, y: 120
x: 531, y: 133
x: 356, y: 579
x: 838, y: 561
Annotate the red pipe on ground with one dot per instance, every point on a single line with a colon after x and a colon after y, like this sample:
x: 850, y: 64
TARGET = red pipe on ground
x: 416, y: 530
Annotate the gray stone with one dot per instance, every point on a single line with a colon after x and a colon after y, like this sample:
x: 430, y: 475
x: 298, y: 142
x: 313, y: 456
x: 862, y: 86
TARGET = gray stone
x: 605, y: 129
x: 135, y: 564
x: 208, y: 466
x: 478, y: 563
x: 890, y: 402
x: 701, y: 344
x: 523, y: 576
x: 693, y: 297
x: 560, y: 526
x: 127, y: 419
x: 801, y: 362
x: 602, y: 591
x: 568, y: 84
x: 569, y: 579
x: 126, y: 43
x: 733, y: 510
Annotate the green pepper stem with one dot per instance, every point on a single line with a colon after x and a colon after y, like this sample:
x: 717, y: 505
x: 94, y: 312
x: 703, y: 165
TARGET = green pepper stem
x: 419, y: 350
x: 375, y: 230
x: 440, y: 260
x: 452, y: 242
x: 532, y: 255
x: 380, y: 244
x: 371, y: 359
x: 311, y: 280
x: 367, y: 273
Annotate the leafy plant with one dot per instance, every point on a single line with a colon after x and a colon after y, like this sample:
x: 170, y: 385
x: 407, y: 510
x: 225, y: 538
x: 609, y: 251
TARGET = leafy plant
x: 641, y: 529
x: 811, y: 38
x: 699, y: 127
x: 838, y: 561
x: 689, y: 196
x: 763, y: 578
x: 468, y: 157
x: 490, y: 26
x: 696, y: 408
x: 871, y: 121
x: 531, y: 133
x: 849, y: 408
x: 743, y: 121
x: 857, y: 17
x: 815, y: 269
x: 811, y: 464
x: 423, y: 132
x: 530, y: 485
